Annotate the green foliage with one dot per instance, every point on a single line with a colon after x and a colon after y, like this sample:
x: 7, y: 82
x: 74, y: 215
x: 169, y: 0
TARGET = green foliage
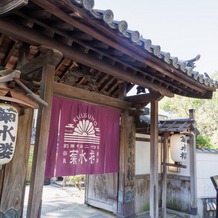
x: 206, y: 113
x: 29, y: 166
x: 179, y: 106
x: 203, y: 142
x: 77, y: 180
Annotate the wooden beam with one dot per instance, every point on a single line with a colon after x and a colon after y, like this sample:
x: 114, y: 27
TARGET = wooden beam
x: 35, y: 63
x: 104, y: 35
x: 143, y: 98
x: 31, y: 95
x: 154, y: 161
x: 174, y: 165
x: 34, y: 37
x: 40, y: 148
x: 146, y: 74
x: 42, y: 14
x: 88, y: 96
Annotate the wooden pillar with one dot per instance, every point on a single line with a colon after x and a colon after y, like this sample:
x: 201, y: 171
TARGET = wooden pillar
x: 40, y: 148
x: 164, y: 178
x: 193, y: 171
x: 154, y: 161
x: 13, y: 174
x: 126, y: 190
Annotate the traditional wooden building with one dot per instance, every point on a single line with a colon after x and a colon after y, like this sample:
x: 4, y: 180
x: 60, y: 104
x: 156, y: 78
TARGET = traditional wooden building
x: 69, y: 49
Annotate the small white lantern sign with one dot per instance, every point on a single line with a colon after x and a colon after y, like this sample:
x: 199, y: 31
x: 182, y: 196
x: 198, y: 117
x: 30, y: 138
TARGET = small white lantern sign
x: 178, y: 147
x: 8, y: 132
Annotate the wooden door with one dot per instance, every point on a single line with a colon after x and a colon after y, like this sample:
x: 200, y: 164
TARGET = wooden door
x: 102, y: 191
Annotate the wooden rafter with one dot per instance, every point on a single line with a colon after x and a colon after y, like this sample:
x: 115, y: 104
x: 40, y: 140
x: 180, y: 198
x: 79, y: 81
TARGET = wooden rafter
x: 100, y: 35
x: 133, y: 66
x: 122, y: 61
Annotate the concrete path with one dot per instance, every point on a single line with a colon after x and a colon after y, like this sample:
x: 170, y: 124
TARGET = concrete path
x: 66, y: 202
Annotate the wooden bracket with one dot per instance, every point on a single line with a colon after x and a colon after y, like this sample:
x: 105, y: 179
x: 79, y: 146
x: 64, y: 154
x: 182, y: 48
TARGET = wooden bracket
x: 31, y: 94
x: 174, y: 165
x: 11, y: 75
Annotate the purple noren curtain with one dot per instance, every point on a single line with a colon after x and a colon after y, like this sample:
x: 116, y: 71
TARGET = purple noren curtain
x: 88, y: 141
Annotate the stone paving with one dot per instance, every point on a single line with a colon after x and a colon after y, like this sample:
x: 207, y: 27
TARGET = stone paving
x: 66, y: 202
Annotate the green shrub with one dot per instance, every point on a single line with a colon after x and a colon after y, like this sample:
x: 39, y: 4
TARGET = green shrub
x: 77, y: 180
x: 203, y: 142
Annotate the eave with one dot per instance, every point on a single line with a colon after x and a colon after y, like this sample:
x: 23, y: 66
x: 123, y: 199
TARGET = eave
x: 92, y: 38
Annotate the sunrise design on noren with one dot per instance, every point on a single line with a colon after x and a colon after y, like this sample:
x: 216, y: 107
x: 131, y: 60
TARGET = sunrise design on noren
x: 84, y: 132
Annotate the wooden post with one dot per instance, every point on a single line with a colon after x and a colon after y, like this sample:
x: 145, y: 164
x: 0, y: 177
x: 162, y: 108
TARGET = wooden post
x: 154, y: 161
x: 40, y: 148
x: 13, y: 174
x: 164, y: 179
x: 193, y: 172
x: 126, y: 195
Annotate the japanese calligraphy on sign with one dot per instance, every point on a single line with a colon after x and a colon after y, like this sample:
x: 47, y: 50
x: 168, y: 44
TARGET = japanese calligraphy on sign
x: 88, y: 139
x: 8, y: 132
x: 178, y: 147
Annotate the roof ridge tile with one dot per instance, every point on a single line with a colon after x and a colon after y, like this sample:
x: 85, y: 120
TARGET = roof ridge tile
x: 107, y: 17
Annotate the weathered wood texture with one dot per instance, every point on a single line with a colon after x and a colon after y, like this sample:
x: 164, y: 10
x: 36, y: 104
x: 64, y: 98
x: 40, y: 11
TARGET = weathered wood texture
x: 87, y: 96
x: 154, y: 161
x: 178, y: 193
x: 164, y: 176
x: 42, y: 132
x: 103, y: 35
x: 193, y: 170
x: 126, y: 191
x: 34, y: 37
x: 101, y: 191
x: 142, y: 193
x: 13, y: 176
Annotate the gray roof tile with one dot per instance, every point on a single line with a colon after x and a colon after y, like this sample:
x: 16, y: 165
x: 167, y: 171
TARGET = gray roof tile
x: 121, y: 27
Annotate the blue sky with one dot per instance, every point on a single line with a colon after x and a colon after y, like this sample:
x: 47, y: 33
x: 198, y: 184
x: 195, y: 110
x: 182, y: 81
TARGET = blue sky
x: 184, y: 28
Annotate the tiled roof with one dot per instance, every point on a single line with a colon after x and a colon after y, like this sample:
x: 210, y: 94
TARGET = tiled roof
x: 121, y: 27
x: 205, y: 150
x: 176, y: 125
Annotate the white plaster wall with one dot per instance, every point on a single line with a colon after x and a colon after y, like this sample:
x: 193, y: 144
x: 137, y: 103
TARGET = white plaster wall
x: 142, y: 156
x: 207, y: 166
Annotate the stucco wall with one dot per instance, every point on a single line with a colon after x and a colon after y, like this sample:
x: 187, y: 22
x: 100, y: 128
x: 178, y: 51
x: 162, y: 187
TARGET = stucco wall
x: 207, y: 166
x: 142, y: 155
